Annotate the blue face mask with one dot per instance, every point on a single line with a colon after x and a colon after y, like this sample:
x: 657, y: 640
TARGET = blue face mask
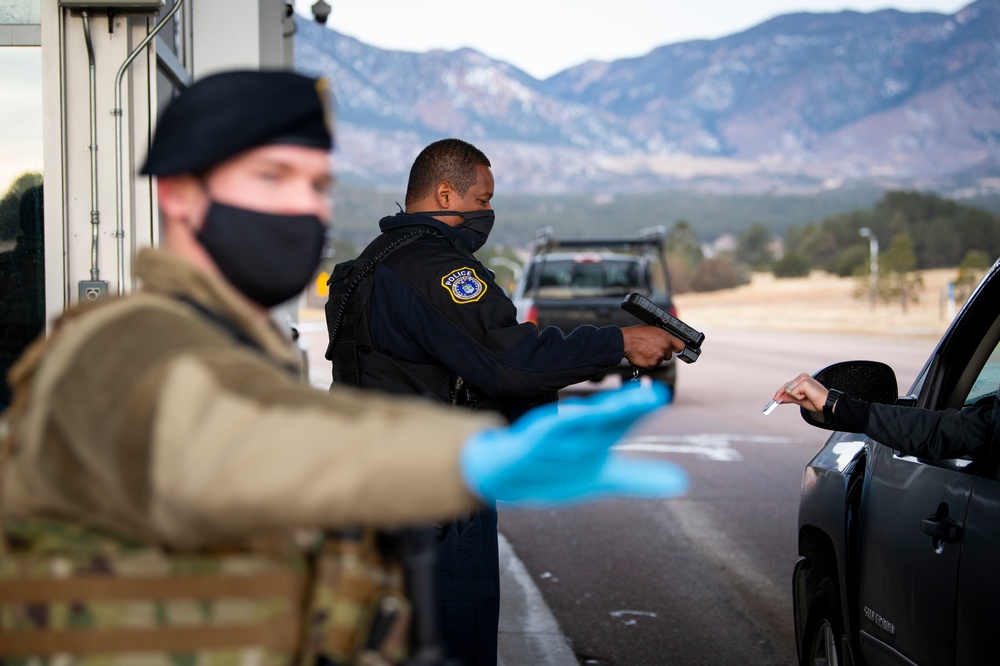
x: 475, y: 228
x: 269, y: 258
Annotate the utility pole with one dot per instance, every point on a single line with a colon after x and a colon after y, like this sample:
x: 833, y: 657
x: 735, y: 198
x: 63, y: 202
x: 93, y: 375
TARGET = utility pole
x: 873, y: 261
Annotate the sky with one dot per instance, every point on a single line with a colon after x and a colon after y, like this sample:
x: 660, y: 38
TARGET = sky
x: 544, y: 37
x: 20, y: 113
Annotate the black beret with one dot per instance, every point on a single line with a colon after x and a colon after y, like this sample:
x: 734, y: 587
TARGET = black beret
x: 225, y: 114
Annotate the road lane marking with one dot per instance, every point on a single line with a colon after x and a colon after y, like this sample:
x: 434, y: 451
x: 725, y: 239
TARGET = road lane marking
x: 709, y: 446
x: 621, y: 613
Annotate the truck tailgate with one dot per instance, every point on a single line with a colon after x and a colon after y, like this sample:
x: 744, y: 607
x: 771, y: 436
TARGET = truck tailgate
x: 568, y: 315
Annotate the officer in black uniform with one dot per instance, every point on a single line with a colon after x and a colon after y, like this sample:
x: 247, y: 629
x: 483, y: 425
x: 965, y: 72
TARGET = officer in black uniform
x: 417, y: 313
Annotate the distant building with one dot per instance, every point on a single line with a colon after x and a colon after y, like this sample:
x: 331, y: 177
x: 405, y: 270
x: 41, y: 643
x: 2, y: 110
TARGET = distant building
x: 723, y: 244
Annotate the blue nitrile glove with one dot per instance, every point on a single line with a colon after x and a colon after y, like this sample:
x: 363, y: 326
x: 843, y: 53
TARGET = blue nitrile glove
x: 560, y: 454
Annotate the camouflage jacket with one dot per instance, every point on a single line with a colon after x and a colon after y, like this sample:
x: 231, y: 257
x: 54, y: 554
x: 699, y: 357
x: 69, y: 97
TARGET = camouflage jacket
x: 145, y: 420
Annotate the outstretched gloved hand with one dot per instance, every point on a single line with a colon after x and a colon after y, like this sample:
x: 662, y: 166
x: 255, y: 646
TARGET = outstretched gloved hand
x: 561, y: 454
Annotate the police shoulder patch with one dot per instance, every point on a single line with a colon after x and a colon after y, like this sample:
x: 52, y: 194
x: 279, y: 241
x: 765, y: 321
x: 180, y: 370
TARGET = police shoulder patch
x: 464, y: 285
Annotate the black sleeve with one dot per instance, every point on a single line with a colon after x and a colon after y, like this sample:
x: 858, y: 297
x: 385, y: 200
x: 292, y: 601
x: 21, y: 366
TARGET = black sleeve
x: 926, y: 433
x: 480, y: 339
x: 850, y: 414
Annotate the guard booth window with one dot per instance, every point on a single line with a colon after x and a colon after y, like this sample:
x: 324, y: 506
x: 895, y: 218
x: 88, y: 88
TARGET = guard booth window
x: 22, y: 278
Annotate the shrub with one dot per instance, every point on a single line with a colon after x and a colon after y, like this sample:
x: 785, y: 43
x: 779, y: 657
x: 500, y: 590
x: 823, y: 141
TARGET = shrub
x: 714, y: 274
x: 792, y: 265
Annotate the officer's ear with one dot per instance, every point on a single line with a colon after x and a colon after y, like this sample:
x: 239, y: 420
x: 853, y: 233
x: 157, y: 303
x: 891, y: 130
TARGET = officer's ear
x: 444, y: 193
x: 183, y: 199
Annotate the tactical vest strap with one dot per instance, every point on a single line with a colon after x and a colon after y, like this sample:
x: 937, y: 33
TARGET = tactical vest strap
x: 278, y: 635
x: 104, y: 588
x: 362, y: 270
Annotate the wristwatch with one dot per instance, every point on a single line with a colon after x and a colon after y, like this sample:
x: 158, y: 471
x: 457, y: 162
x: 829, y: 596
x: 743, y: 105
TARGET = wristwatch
x: 832, y: 396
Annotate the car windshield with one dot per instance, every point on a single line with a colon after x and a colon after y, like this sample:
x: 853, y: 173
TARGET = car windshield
x: 989, y: 378
x: 586, y: 276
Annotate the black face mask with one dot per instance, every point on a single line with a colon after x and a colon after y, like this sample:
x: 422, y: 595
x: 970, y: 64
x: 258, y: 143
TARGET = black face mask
x: 476, y: 227
x: 269, y: 258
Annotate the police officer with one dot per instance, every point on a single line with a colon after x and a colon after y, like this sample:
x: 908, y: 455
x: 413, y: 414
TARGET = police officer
x: 417, y: 313
x: 167, y: 481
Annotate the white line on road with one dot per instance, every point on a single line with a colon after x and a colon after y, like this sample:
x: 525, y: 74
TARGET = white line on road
x: 709, y: 446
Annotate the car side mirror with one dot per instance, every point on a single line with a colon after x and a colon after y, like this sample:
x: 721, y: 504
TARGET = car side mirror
x: 871, y: 381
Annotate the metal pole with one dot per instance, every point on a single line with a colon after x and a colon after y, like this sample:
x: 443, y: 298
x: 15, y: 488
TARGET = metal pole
x: 872, y: 262
x: 119, y: 158
x: 95, y: 216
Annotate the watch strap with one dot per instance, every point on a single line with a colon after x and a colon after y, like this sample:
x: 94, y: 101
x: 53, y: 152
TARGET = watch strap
x: 833, y: 395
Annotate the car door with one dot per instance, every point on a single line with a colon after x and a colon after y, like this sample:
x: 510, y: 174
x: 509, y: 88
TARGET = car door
x: 978, y: 612
x: 908, y: 578
x: 918, y: 524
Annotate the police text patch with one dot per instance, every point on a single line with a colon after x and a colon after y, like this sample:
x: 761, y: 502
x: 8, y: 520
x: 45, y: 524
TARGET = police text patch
x: 464, y: 285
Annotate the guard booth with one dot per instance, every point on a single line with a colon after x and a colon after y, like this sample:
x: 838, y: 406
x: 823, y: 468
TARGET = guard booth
x: 81, y: 85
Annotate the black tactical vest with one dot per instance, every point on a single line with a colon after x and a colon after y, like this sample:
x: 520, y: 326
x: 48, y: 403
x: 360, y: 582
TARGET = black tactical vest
x: 355, y: 360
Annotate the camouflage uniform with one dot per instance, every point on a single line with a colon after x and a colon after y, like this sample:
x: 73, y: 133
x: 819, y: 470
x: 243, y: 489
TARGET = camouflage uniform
x: 166, y: 479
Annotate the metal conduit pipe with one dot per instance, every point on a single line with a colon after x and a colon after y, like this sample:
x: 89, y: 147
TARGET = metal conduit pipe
x: 95, y: 216
x: 119, y: 159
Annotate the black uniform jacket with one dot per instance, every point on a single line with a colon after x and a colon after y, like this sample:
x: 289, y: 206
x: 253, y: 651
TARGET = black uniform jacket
x: 434, y: 304
x: 435, y: 313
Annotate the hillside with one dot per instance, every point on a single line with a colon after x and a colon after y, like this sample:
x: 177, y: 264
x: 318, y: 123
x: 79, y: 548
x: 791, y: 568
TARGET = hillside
x: 711, y: 215
x: 800, y: 104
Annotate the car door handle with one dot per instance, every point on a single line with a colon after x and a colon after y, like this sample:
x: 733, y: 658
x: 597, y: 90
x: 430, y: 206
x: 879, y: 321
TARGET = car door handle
x: 941, y: 528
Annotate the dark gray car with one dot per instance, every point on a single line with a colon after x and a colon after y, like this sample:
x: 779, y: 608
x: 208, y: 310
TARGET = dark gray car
x: 900, y: 556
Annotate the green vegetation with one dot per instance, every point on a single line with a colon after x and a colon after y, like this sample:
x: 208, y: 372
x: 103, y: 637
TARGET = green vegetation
x: 940, y: 231
x: 519, y: 216
x: 971, y: 270
x: 915, y: 230
x: 896, y: 278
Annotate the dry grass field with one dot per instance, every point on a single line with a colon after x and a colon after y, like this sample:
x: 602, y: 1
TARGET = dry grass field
x: 821, y: 302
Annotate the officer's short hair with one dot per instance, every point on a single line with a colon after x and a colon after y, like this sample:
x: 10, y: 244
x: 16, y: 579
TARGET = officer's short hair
x: 449, y: 160
x: 225, y: 114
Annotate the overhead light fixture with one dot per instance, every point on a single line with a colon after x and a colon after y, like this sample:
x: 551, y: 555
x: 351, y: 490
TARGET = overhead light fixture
x: 321, y: 10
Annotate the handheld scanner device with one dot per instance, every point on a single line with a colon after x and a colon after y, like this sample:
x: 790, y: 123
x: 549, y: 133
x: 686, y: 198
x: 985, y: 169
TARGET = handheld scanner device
x: 650, y: 313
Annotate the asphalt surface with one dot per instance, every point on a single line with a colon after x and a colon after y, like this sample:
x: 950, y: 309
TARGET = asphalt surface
x: 703, y: 579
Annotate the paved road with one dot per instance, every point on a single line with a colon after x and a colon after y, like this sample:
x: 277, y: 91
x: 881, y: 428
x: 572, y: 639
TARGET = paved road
x: 704, y: 579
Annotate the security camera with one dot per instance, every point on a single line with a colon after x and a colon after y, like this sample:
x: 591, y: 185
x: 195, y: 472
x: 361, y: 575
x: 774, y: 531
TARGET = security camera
x: 321, y: 10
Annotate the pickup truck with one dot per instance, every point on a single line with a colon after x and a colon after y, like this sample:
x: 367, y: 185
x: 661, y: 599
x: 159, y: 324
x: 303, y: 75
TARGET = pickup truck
x: 569, y: 282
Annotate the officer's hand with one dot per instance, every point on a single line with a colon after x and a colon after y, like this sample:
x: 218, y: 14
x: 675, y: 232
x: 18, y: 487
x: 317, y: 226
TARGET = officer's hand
x: 553, y: 457
x: 648, y: 346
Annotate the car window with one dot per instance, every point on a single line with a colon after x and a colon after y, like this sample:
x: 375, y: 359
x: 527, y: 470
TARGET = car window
x: 987, y: 381
x: 656, y: 276
x: 569, y: 278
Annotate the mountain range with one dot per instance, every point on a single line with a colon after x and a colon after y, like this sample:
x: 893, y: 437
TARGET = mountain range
x: 801, y: 103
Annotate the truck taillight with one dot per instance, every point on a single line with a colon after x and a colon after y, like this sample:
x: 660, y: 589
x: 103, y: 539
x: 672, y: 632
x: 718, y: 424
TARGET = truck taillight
x: 532, y: 315
x: 673, y: 311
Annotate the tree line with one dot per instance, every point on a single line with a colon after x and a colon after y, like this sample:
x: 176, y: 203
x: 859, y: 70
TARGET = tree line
x: 914, y: 230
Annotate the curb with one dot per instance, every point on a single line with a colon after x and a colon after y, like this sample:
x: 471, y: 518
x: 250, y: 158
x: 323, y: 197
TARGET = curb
x: 529, y: 633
